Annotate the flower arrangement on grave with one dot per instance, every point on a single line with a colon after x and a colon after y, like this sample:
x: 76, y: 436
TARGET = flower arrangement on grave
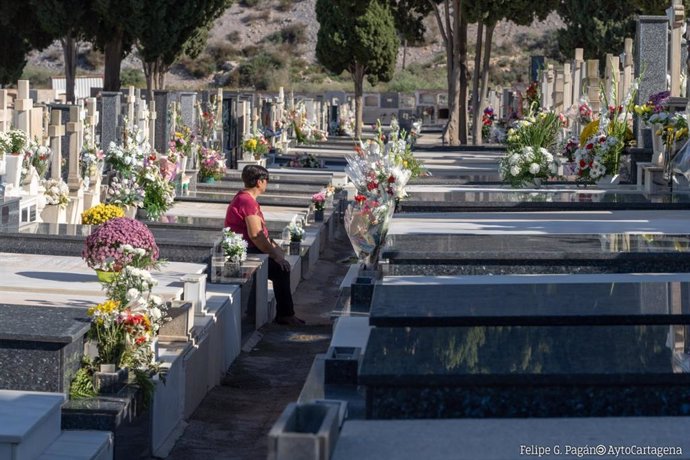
x: 380, y: 180
x: 657, y: 104
x: 569, y: 147
x: 91, y: 159
x: 603, y: 140
x: 39, y: 157
x: 108, y: 331
x: 256, y: 144
x: 211, y: 164
x: 488, y: 118
x: 533, y: 97
x: 125, y: 191
x: 296, y: 231
x: 207, y: 120
x: 234, y: 246
x: 304, y: 160
x: 124, y: 160
x: 319, y: 200
x: 56, y: 192
x: 584, y: 113
x: 132, y: 288
x: 13, y: 142
x: 100, y: 213
x: 346, y: 126
x: 159, y: 192
x: 120, y: 242
x: 528, y: 159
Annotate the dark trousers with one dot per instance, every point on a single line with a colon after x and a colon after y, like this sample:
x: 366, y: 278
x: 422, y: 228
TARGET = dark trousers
x: 281, y: 286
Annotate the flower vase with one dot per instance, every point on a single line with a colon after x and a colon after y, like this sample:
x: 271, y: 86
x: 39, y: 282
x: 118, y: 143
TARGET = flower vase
x: 54, y: 214
x: 130, y: 211
x: 109, y: 380
x: 154, y: 349
x: 105, y: 276
x: 208, y: 180
x: 608, y: 181
x: 247, y: 156
x: 534, y: 183
x: 294, y: 248
x: 318, y: 215
x: 13, y: 173
x: 231, y: 269
x: 3, y: 166
x: 657, y: 146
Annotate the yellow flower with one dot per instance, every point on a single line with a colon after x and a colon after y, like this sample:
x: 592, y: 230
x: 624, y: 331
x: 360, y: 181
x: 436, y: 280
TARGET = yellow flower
x: 101, y: 213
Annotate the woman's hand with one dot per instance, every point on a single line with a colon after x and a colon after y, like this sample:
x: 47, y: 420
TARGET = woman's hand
x: 278, y: 255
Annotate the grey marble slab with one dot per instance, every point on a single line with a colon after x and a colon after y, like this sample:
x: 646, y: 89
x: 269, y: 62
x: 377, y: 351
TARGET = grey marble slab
x: 533, y: 303
x: 41, y: 324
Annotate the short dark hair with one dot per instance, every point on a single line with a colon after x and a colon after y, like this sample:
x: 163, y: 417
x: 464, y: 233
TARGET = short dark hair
x: 251, y: 174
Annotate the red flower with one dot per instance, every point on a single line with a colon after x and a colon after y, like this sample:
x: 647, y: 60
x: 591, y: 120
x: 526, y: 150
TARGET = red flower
x: 360, y: 198
x: 582, y: 163
x: 140, y: 340
x: 589, y: 146
x: 372, y: 185
x: 391, y: 179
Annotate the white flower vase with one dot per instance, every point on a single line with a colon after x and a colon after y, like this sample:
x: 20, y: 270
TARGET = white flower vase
x: 247, y: 156
x: 3, y: 166
x: 154, y: 350
x: 131, y: 211
x: 657, y: 146
x: 13, y: 173
x: 54, y: 214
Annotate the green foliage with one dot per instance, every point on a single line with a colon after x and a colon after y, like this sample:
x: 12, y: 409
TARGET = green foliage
x: 357, y: 33
x: 133, y: 77
x: 250, y: 3
x: 258, y: 70
x: 38, y: 76
x: 293, y: 34
x: 82, y: 384
x: 417, y: 77
x: 201, y: 67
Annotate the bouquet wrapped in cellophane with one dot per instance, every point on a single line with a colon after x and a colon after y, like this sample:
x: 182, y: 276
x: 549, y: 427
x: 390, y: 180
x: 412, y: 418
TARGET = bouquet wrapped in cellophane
x: 380, y: 180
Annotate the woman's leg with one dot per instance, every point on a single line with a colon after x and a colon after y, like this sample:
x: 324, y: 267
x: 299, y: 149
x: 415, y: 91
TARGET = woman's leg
x: 281, y: 289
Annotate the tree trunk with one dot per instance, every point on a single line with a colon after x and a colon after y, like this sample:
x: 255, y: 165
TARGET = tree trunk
x: 476, y: 90
x: 358, y: 77
x: 404, y: 53
x: 448, y: 24
x: 462, y: 55
x: 69, y: 51
x: 148, y: 73
x: 113, y: 60
x: 487, y: 57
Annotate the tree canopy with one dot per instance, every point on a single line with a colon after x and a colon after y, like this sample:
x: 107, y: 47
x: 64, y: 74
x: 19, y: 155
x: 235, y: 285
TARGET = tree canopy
x: 358, y: 36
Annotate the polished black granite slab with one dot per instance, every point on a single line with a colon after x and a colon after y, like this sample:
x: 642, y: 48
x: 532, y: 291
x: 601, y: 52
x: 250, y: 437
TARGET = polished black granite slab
x: 542, y: 200
x: 449, y: 305
x: 40, y: 347
x: 526, y: 371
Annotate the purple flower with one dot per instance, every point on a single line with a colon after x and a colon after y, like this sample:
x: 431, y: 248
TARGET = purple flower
x: 103, y: 248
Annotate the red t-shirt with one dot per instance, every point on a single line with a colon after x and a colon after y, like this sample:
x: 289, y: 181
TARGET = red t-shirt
x: 241, y: 206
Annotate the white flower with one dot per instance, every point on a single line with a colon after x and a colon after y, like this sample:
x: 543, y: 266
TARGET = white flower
x: 132, y: 294
x: 534, y: 168
x: 515, y: 170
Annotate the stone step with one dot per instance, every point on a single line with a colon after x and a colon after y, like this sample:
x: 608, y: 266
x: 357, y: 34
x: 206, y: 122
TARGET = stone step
x: 80, y: 445
x: 29, y: 423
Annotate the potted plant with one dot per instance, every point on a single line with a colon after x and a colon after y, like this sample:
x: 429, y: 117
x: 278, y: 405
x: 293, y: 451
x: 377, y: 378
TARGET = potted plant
x: 211, y: 165
x: 100, y: 213
x: 254, y: 146
x: 127, y: 193
x: 319, y: 202
x: 117, y: 243
x: 159, y: 193
x: 235, y: 251
x: 57, y: 199
x: 296, y: 232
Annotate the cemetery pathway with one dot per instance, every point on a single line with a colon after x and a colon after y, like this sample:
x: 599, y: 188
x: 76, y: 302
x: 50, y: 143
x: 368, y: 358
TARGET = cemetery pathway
x: 233, y: 420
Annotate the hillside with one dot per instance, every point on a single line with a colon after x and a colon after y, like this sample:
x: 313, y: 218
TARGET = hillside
x: 272, y: 44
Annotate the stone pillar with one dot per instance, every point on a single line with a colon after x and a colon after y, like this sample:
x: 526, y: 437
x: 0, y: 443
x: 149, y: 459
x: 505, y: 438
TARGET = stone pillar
x: 23, y: 106
x: 676, y: 17
x: 142, y: 117
x: 558, y: 93
x: 162, y: 121
x: 567, y: 86
x: 593, y: 84
x: 152, y: 124
x: 547, y: 88
x: 5, y: 117
x: 578, y: 75
x: 111, y: 109
x: 627, y: 74
x: 75, y: 130
x: 612, y: 78
x: 219, y: 117
x: 55, y: 132
x: 131, y: 100
x: 651, y: 43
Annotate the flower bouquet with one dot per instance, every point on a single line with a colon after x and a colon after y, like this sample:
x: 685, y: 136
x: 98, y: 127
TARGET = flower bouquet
x: 125, y: 191
x: 101, y: 213
x: 366, y: 223
x: 91, y: 159
x: 255, y: 144
x: 120, y: 242
x: 599, y: 157
x: 108, y: 330
x: 56, y: 192
x: 234, y: 246
x: 211, y: 165
x: 296, y: 232
x: 527, y: 166
x: 124, y: 159
x: 40, y: 157
x: 13, y: 142
x: 319, y: 200
x: 159, y: 193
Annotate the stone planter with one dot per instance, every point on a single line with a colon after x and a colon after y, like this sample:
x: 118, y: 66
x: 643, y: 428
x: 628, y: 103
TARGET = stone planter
x: 306, y: 431
x: 3, y: 166
x: 232, y: 269
x: 13, y: 172
x: 54, y: 214
x: 108, y: 380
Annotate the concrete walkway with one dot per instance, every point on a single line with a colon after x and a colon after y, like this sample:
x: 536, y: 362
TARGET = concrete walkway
x: 233, y: 420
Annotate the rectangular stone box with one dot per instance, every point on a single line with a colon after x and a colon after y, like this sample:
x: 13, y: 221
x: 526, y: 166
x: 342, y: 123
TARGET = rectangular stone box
x: 40, y: 347
x: 181, y: 322
x: 526, y: 371
x: 304, y: 432
x: 341, y: 365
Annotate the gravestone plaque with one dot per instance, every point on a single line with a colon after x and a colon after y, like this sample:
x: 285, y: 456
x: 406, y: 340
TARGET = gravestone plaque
x: 163, y: 121
x: 109, y: 124
x: 390, y: 101
x: 651, y: 43
x: 188, y: 109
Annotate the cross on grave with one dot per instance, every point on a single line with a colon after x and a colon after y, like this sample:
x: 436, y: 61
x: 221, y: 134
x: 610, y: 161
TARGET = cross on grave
x: 92, y: 117
x: 130, y: 100
x: 578, y: 74
x: 56, y: 130
x: 219, y: 114
x: 152, y: 121
x: 23, y: 106
x: 173, y: 117
x: 143, y: 117
x: 612, y: 74
x: 75, y: 129
x: 627, y: 77
x: 593, y: 84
